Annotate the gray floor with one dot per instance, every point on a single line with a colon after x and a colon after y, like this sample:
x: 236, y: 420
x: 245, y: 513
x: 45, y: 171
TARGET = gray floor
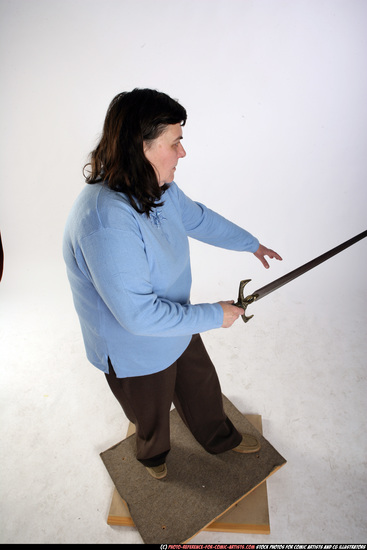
x: 303, y: 368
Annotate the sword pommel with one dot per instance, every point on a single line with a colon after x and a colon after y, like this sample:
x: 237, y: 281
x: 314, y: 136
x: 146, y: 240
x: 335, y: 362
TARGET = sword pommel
x: 244, y: 302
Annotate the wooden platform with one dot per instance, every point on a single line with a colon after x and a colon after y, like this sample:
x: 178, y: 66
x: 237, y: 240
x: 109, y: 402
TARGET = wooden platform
x: 199, y: 487
x: 250, y: 515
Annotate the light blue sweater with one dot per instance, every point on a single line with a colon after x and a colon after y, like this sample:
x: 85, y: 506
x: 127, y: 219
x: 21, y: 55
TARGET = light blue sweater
x: 130, y: 276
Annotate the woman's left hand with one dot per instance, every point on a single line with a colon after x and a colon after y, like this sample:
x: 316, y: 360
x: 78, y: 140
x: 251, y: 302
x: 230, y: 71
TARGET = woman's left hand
x: 262, y: 251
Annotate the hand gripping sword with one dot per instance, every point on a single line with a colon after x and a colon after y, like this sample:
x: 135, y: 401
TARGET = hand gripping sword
x: 267, y: 289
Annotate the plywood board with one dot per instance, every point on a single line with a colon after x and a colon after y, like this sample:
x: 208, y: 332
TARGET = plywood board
x: 250, y: 515
x: 199, y: 487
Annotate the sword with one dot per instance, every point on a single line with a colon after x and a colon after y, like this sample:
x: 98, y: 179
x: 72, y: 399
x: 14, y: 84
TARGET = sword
x: 267, y: 289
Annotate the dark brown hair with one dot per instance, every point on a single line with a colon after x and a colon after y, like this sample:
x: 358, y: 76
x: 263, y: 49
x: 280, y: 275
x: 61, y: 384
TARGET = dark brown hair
x: 133, y: 118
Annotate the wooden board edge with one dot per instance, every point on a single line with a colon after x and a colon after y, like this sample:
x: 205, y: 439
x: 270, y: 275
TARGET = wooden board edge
x: 251, y: 529
x: 247, y: 529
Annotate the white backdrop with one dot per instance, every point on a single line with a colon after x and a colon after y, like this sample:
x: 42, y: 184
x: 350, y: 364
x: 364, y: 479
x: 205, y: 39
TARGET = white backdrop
x: 276, y: 140
x: 276, y: 136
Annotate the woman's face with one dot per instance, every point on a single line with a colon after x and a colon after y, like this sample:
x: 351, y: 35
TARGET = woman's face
x: 164, y: 151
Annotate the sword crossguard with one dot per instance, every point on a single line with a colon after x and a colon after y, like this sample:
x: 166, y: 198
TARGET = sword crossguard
x: 244, y: 302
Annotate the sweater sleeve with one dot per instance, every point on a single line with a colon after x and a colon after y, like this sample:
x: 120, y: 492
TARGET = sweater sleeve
x: 207, y: 226
x: 116, y: 264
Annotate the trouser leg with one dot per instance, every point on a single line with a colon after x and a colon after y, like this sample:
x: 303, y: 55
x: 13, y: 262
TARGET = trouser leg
x: 193, y: 386
x: 198, y: 399
x: 146, y: 401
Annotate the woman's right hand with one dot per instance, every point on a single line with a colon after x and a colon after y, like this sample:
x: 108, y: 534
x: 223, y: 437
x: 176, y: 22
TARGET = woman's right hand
x: 231, y: 313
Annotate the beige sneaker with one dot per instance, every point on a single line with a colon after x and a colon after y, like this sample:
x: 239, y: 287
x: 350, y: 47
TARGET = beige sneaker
x: 249, y: 444
x: 158, y: 472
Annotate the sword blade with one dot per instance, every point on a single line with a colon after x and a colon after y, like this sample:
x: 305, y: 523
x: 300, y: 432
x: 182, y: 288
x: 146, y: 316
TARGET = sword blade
x: 267, y: 289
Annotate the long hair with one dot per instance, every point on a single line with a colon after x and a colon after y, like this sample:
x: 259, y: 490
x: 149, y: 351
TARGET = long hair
x: 133, y: 118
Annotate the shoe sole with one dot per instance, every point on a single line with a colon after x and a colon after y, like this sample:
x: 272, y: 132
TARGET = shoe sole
x: 248, y: 450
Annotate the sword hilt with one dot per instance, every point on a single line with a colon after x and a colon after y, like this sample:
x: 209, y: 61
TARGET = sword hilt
x: 244, y: 302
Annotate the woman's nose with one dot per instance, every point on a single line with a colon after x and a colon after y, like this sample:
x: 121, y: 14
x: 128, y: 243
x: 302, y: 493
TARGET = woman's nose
x: 182, y: 152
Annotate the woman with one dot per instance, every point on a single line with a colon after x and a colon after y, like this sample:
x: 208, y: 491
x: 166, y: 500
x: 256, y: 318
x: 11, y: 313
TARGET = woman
x: 127, y: 256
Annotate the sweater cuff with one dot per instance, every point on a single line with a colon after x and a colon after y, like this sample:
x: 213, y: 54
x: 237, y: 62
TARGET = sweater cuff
x: 254, y: 246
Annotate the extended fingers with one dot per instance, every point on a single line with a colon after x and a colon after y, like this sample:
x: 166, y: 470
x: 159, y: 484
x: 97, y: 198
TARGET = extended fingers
x: 262, y: 251
x: 273, y: 254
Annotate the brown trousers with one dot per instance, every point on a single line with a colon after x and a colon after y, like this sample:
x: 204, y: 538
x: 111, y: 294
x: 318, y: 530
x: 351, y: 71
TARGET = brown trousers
x: 192, y: 384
